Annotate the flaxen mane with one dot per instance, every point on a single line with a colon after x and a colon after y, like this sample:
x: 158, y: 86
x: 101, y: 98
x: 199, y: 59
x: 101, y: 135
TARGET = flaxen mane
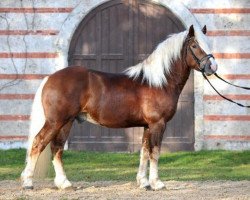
x: 155, y: 68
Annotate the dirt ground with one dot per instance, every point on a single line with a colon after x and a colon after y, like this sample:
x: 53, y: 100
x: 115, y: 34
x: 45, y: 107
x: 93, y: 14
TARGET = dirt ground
x: 233, y: 190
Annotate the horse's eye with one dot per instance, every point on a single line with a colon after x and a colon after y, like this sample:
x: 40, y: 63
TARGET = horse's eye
x: 194, y: 46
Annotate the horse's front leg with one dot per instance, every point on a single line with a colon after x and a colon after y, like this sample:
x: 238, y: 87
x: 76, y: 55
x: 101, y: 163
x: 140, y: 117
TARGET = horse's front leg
x: 156, y: 135
x: 141, y: 178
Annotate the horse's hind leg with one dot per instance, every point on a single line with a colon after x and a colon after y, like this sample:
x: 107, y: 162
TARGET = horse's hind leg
x: 57, y: 145
x: 141, y: 178
x: 40, y: 141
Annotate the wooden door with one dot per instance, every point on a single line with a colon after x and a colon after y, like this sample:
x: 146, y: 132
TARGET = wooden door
x: 114, y: 36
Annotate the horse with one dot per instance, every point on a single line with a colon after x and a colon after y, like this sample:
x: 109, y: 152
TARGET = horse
x: 144, y: 95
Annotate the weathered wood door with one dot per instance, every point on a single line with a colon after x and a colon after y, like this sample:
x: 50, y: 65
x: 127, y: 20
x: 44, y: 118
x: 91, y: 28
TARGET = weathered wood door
x: 112, y: 37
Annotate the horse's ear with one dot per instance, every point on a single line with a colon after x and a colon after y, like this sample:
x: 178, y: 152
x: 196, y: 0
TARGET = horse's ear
x: 191, y: 31
x: 204, y: 29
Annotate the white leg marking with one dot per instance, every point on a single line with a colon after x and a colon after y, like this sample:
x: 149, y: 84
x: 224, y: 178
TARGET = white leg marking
x: 28, y: 172
x: 60, y: 180
x: 154, y: 180
x: 141, y: 178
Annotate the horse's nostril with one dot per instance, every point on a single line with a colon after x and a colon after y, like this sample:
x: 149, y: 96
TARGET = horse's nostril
x: 213, y: 67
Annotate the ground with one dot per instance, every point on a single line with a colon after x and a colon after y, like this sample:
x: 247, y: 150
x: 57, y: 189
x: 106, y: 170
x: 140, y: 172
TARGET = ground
x: 178, y: 190
x: 199, y: 175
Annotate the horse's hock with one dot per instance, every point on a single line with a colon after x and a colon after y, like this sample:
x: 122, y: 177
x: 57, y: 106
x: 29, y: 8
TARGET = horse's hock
x: 112, y: 37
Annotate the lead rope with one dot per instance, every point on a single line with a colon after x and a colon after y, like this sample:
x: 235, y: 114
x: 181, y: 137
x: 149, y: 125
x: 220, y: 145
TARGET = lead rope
x: 230, y: 100
x: 246, y: 88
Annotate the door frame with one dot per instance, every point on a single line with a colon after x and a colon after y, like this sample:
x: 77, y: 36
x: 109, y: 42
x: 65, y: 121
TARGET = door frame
x: 82, y: 9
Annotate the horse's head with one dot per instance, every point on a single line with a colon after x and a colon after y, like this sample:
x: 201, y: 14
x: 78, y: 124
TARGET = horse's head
x: 198, y: 54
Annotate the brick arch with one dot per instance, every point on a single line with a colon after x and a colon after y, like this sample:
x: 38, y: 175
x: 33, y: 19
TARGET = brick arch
x: 82, y: 9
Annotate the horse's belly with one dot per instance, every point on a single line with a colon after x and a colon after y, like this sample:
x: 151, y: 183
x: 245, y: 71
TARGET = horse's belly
x: 103, y: 122
x: 110, y: 122
x: 86, y: 117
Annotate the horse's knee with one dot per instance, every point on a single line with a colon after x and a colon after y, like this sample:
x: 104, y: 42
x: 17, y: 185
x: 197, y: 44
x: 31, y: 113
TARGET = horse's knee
x: 156, y: 135
x: 145, y: 153
x: 155, y: 140
x: 155, y: 153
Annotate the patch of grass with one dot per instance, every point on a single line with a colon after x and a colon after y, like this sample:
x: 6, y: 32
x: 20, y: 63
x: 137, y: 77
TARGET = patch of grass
x: 95, y: 166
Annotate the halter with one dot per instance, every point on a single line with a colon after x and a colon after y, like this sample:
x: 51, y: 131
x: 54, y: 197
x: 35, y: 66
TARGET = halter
x: 200, y: 61
x: 202, y: 70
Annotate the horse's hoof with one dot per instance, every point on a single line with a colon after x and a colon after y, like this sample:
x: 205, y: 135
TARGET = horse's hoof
x: 63, y: 185
x: 157, y: 185
x: 147, y: 188
x: 28, y: 187
x: 143, y: 183
x: 160, y: 188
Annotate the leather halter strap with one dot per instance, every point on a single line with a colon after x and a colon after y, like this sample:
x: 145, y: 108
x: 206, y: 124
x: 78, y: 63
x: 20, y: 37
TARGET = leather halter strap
x: 230, y: 100
x: 242, y: 87
x: 202, y: 69
x: 200, y: 61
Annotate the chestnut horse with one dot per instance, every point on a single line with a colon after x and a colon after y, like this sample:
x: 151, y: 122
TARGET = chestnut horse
x: 144, y: 95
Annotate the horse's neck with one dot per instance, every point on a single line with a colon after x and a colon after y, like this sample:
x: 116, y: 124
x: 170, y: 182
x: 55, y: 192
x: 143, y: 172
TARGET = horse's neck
x: 178, y: 76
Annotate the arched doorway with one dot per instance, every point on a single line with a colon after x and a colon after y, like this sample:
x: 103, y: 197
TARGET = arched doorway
x: 113, y: 36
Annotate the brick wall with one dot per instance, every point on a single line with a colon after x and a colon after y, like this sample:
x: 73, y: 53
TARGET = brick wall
x: 226, y: 126
x: 34, y: 38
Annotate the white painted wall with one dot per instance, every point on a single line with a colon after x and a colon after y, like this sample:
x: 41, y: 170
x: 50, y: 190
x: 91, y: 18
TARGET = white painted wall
x: 209, y: 134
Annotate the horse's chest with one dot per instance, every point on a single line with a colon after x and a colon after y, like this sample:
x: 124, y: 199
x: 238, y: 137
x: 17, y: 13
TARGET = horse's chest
x: 160, y: 107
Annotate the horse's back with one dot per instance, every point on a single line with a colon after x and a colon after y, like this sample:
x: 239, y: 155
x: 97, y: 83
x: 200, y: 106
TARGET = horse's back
x: 69, y: 74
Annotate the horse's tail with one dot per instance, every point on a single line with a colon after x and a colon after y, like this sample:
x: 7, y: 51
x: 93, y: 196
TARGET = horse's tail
x: 37, y: 119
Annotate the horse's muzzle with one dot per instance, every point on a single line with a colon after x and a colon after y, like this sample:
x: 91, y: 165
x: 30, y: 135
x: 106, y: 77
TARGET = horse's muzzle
x: 210, y: 67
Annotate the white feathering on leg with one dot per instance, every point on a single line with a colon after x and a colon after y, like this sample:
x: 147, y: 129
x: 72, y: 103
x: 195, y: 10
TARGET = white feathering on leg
x: 142, y: 172
x: 155, y: 182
